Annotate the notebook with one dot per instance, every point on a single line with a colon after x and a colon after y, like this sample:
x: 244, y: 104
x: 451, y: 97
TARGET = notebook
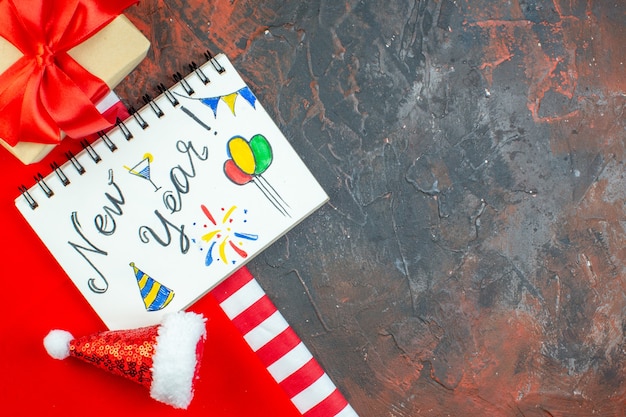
x: 163, y: 207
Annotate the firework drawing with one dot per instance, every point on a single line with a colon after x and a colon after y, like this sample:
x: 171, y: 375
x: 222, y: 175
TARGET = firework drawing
x: 225, y: 244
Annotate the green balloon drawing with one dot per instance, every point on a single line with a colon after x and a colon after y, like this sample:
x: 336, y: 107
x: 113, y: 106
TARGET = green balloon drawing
x: 262, y: 152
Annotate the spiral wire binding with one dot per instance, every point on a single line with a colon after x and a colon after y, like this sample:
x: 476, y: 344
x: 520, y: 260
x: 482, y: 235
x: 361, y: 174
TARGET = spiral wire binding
x: 107, y: 141
x: 29, y: 199
x: 155, y: 107
x: 178, y: 77
x: 168, y: 94
x: 57, y: 169
x: 193, y: 67
x: 125, y: 131
x: 218, y: 67
x: 39, y: 178
x: 144, y: 125
x: 72, y: 158
x: 92, y: 153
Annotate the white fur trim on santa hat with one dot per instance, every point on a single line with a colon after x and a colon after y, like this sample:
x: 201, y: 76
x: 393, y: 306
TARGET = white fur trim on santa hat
x: 175, y: 358
x: 57, y: 344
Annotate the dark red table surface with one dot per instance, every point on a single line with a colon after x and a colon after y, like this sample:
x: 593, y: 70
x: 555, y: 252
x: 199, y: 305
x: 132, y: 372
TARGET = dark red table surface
x: 471, y: 258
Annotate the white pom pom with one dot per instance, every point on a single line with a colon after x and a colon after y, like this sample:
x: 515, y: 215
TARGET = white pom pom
x: 57, y: 344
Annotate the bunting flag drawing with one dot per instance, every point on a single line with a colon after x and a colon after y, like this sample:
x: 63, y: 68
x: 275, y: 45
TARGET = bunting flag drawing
x: 229, y: 99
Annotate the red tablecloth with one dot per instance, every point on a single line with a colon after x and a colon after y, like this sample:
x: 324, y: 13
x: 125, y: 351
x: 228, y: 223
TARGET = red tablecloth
x: 36, y: 296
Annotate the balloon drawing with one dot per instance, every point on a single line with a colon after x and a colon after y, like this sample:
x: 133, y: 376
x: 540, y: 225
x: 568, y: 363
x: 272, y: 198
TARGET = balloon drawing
x: 248, y: 160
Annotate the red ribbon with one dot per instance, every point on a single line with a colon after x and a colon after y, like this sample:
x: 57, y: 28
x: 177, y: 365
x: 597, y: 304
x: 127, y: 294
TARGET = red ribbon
x: 46, y: 90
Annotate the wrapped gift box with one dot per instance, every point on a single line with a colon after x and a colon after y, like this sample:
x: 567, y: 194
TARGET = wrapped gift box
x: 110, y: 54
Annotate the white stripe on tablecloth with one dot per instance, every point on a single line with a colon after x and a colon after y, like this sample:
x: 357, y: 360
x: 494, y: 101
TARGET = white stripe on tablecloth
x: 267, y: 330
x: 313, y: 394
x: 241, y: 299
x: 290, y: 363
x: 347, y: 412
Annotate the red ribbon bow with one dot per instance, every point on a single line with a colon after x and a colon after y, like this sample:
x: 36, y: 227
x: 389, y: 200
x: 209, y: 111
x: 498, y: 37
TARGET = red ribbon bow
x: 46, y: 90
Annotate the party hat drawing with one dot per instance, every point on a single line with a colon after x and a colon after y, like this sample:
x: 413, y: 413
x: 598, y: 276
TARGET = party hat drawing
x: 156, y: 296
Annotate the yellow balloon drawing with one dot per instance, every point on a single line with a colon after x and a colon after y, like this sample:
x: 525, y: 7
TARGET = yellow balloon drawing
x: 149, y: 157
x: 241, y: 153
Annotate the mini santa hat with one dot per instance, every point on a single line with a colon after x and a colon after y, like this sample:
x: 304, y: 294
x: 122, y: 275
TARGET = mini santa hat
x: 165, y: 358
